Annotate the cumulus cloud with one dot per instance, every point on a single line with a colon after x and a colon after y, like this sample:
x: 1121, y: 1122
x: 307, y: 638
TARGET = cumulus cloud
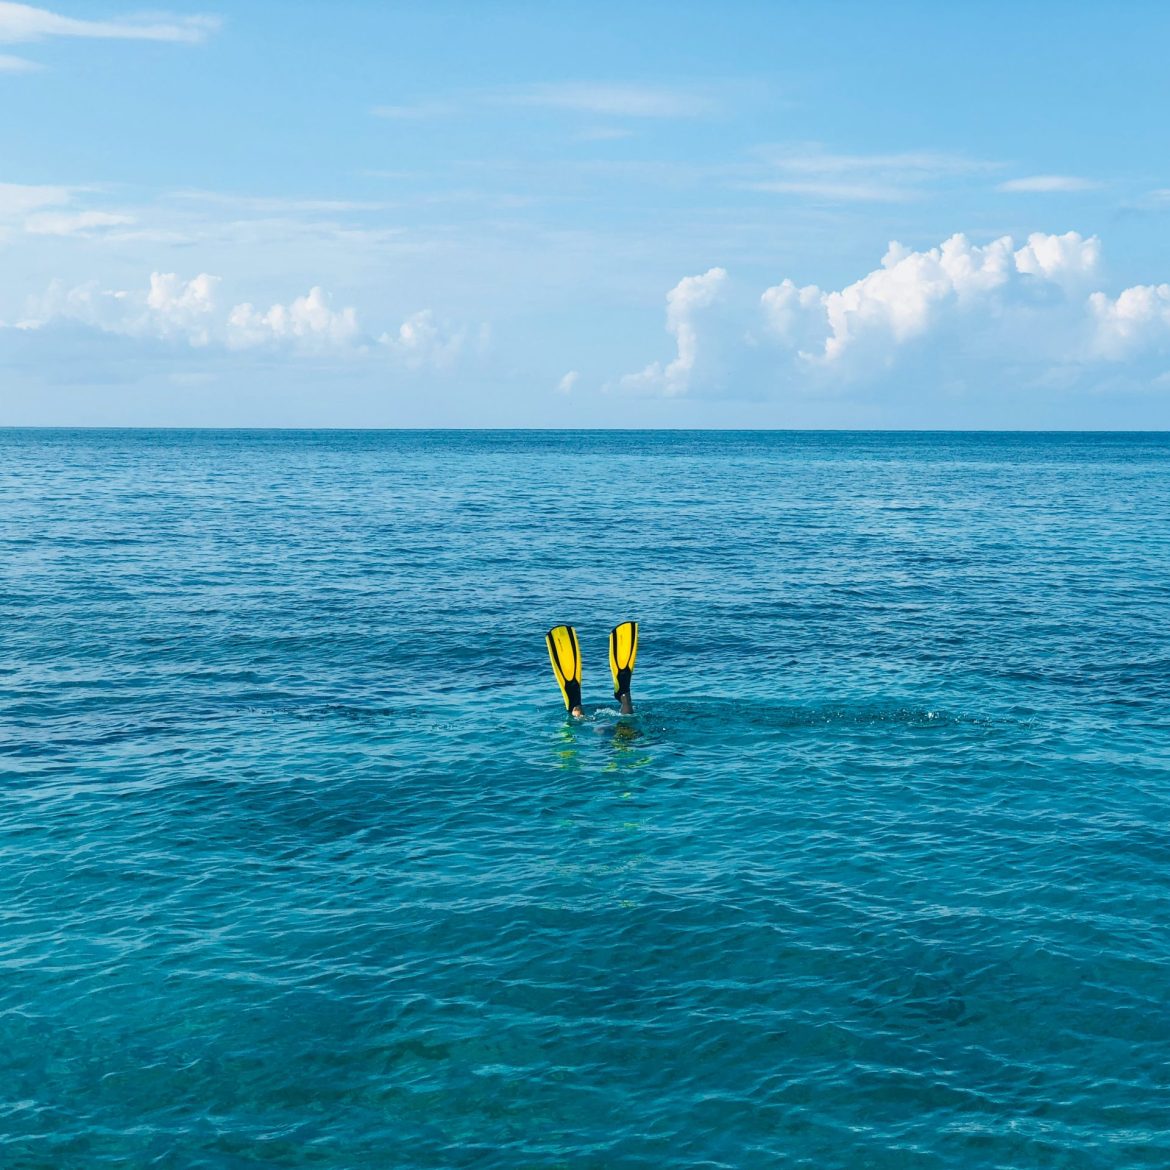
x: 1066, y: 259
x: 22, y: 23
x: 175, y: 307
x: 308, y: 320
x: 957, y: 307
x: 567, y: 382
x: 190, y: 312
x: 1135, y: 320
x: 170, y: 309
x: 421, y: 340
x: 686, y: 304
x: 906, y: 296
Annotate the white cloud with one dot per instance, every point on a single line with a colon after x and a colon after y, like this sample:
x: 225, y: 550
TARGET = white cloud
x: 190, y: 312
x: 906, y: 296
x: 18, y: 199
x: 48, y: 210
x: 1136, y: 319
x: 265, y: 204
x: 178, y: 310
x: 812, y: 160
x: 598, y: 99
x: 308, y: 320
x: 86, y: 303
x: 423, y: 341
x: 1063, y: 259
x: 615, y: 100
x: 813, y: 172
x: 567, y: 382
x: 21, y: 23
x: 171, y: 309
x: 944, y: 313
x: 55, y: 223
x: 835, y: 192
x: 11, y: 64
x: 685, y: 304
x: 1048, y: 184
x: 1157, y: 201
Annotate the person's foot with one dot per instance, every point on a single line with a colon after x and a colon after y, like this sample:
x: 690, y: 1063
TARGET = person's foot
x: 627, y: 703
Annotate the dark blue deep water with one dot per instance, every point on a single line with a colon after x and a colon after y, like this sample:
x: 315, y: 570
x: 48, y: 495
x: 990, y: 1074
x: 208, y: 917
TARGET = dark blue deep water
x: 301, y: 863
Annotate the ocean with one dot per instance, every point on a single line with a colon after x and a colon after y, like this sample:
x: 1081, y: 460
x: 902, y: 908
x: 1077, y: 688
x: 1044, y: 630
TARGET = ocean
x: 302, y: 863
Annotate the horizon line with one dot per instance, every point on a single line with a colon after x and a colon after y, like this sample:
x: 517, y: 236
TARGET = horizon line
x: 593, y: 430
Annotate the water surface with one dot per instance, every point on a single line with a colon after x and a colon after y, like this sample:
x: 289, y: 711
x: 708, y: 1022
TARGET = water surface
x: 301, y: 863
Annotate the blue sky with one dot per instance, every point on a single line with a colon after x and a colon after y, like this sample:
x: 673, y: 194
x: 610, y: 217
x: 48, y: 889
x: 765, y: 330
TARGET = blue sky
x: 371, y: 214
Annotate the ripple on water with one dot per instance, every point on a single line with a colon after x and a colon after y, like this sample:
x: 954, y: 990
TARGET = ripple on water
x: 301, y: 864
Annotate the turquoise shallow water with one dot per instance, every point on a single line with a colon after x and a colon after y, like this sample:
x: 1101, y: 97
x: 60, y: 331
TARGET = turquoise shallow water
x: 302, y: 865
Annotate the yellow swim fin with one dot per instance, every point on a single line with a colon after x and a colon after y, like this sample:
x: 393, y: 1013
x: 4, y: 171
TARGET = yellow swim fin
x: 565, y: 656
x: 623, y: 649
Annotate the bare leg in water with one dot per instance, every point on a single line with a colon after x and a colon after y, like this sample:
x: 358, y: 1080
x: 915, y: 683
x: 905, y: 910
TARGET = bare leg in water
x: 627, y: 706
